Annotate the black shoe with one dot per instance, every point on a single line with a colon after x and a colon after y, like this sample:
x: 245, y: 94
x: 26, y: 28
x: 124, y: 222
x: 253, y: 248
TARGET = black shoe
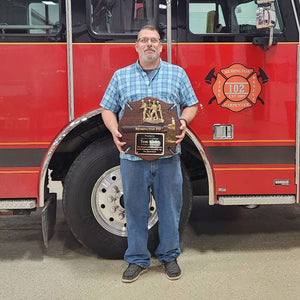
x: 132, y: 273
x: 172, y: 269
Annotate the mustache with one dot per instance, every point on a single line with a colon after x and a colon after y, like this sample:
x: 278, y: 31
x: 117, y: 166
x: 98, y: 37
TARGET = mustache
x: 150, y: 48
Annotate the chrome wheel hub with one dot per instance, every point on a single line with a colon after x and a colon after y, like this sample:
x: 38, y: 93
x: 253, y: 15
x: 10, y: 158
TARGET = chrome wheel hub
x: 108, y: 204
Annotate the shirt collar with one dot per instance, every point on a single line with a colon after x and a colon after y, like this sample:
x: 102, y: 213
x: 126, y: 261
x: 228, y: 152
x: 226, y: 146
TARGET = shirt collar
x: 140, y: 68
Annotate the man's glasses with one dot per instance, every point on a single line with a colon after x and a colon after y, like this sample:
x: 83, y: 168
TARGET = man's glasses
x: 145, y: 40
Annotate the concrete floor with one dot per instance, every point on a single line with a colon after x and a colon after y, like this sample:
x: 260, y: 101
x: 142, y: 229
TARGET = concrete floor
x: 228, y: 253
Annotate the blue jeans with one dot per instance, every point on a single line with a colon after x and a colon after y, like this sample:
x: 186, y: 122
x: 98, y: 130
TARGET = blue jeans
x: 164, y: 177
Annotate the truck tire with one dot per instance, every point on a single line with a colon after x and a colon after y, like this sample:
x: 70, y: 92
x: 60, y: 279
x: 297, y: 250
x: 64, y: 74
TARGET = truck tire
x: 93, y: 202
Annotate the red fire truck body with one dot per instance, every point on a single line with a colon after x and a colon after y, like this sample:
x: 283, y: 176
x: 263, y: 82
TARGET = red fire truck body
x: 240, y: 149
x: 265, y: 125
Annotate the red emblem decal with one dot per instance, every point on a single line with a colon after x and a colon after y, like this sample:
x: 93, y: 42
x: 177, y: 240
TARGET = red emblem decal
x: 236, y: 87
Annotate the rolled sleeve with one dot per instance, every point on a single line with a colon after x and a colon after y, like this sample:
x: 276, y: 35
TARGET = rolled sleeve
x: 111, y: 96
x: 188, y: 96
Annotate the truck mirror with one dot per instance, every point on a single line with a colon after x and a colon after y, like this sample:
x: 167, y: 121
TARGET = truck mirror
x: 265, y: 19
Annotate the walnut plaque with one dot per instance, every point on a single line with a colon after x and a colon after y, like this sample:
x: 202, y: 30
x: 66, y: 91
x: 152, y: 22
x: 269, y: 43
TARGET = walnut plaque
x: 149, y: 128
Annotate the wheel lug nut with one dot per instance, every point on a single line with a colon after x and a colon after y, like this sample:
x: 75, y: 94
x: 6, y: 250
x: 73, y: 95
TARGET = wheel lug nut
x: 113, y: 209
x: 112, y: 199
x: 121, y: 216
x: 116, y: 189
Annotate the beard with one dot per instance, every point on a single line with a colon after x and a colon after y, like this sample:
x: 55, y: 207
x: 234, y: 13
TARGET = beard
x: 149, y: 54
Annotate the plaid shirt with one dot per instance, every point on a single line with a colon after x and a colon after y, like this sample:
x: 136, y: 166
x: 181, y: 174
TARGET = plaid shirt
x: 169, y: 84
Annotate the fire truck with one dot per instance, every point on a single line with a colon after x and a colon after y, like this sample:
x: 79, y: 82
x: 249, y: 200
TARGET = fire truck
x: 57, y: 58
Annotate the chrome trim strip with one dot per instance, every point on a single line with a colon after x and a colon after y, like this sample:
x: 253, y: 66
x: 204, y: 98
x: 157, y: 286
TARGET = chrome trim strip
x: 17, y: 204
x: 169, y: 30
x: 257, y: 200
x: 53, y: 147
x: 70, y: 60
x: 297, y: 136
x: 211, y: 196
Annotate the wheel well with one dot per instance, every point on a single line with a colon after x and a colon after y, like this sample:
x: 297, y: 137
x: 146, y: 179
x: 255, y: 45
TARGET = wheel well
x: 195, y: 166
x: 73, y: 143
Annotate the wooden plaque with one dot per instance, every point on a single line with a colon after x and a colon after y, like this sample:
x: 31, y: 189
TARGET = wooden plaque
x: 149, y: 128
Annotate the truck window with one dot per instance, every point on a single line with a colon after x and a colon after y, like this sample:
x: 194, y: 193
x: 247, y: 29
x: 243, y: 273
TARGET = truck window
x: 206, y: 18
x: 245, y: 14
x: 113, y: 17
x: 231, y: 17
x: 29, y: 17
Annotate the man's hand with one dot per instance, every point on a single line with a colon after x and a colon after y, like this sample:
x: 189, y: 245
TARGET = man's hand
x: 116, y: 137
x: 182, y: 127
x: 111, y: 122
x: 188, y: 114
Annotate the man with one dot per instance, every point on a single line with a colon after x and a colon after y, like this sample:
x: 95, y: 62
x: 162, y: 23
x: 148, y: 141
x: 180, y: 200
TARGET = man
x: 150, y: 77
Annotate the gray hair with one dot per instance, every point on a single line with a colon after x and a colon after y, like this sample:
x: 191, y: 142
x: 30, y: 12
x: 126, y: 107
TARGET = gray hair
x: 148, y: 27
